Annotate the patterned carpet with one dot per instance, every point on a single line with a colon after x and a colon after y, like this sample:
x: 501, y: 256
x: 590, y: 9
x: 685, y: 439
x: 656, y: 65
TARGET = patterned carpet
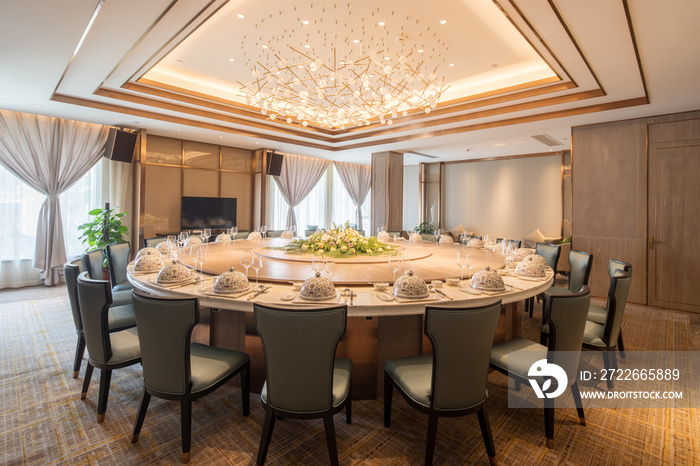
x: 43, y: 421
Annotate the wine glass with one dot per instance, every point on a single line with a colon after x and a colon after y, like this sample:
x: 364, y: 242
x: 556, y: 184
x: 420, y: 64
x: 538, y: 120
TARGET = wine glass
x: 317, y: 264
x: 438, y: 234
x: 196, y: 255
x: 263, y: 230
x: 330, y: 268
x: 234, y: 232
x: 293, y: 229
x: 257, y: 265
x: 470, y: 263
x: 394, y: 264
x: 246, y: 260
x: 207, y: 234
x: 462, y: 260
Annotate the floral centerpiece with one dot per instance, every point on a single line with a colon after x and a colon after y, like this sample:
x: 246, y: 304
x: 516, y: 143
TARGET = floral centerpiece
x: 339, y: 242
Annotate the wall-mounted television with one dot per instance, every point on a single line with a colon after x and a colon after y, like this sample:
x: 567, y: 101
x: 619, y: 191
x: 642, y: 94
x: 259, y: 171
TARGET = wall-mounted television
x: 208, y: 212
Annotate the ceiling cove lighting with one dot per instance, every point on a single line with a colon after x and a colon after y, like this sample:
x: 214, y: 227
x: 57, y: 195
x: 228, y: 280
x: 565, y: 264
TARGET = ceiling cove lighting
x: 345, y: 80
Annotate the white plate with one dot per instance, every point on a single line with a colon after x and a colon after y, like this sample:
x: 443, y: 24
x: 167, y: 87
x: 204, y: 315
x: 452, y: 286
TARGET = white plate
x: 288, y: 296
x: 385, y: 296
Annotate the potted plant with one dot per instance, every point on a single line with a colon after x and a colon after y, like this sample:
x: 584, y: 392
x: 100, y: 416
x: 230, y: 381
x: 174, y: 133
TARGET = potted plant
x: 424, y: 227
x: 104, y: 228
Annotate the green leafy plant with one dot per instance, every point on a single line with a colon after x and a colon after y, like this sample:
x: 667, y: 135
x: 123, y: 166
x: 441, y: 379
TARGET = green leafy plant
x: 566, y: 240
x: 425, y: 227
x: 104, y: 228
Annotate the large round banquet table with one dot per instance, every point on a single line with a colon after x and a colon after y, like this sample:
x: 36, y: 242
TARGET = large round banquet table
x: 377, y: 329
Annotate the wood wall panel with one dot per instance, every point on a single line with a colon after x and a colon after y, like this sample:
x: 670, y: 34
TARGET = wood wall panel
x: 240, y: 186
x: 162, y: 204
x: 200, y: 183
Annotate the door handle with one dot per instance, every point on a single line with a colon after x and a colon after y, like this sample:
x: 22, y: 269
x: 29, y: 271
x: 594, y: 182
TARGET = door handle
x: 652, y: 242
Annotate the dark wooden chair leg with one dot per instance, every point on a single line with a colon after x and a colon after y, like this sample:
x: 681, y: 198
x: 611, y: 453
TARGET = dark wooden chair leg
x: 79, y: 351
x: 105, y: 379
x: 621, y: 345
x: 577, y: 401
x: 432, y: 435
x: 549, y: 421
x: 245, y: 389
x: 186, y: 427
x: 608, y: 366
x: 543, y: 338
x: 388, y: 392
x: 532, y: 305
x: 266, y: 436
x: 486, y: 434
x: 86, y: 382
x: 141, y: 415
x: 330, y: 438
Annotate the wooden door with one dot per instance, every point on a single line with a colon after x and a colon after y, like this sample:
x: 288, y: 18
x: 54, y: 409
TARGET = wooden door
x: 674, y: 216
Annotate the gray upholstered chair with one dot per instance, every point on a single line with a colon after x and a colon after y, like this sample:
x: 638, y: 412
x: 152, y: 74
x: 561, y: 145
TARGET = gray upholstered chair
x: 566, y: 317
x: 92, y: 263
x: 118, y: 259
x: 551, y: 253
x: 176, y: 369
x: 106, y: 351
x: 120, y: 316
x: 273, y: 233
x: 303, y: 378
x: 451, y: 381
x: 153, y: 242
x: 308, y: 233
x: 432, y: 237
x: 242, y: 234
x: 608, y: 335
x: 398, y: 233
x: 598, y: 313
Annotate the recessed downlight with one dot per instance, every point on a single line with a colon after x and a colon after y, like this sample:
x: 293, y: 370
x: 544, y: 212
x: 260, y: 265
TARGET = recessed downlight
x: 306, y: 21
x: 231, y: 59
x: 444, y: 21
x: 381, y: 23
x: 241, y: 15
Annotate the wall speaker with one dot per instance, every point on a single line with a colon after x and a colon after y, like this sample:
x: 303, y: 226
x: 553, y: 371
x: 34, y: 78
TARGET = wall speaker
x: 274, y: 163
x: 121, y: 145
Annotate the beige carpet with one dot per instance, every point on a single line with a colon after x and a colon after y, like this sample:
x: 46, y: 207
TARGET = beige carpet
x: 43, y: 421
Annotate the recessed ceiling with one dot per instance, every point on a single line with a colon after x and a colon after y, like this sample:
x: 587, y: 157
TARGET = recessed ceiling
x: 175, y: 67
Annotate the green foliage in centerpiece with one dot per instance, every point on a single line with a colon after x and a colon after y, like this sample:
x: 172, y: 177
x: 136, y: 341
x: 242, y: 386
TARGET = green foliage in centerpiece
x: 339, y: 242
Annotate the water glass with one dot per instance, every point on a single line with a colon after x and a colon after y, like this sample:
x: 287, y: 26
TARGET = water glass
x: 330, y: 268
x: 257, y: 265
x: 246, y: 260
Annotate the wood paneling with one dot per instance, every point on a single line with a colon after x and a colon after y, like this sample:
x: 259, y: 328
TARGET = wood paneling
x: 674, y: 204
x: 163, y: 191
x: 200, y: 183
x: 240, y: 186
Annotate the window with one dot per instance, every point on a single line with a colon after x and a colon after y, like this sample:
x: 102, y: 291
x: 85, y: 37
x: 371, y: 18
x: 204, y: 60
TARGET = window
x: 76, y: 202
x: 329, y: 202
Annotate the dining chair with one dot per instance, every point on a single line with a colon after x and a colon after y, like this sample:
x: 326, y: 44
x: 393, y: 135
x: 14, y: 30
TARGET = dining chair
x: 581, y: 264
x: 452, y: 380
x: 273, y: 233
x: 120, y: 317
x: 551, y: 253
x: 241, y: 234
x: 174, y: 368
x: 153, y: 242
x: 303, y: 379
x: 118, y: 260
x: 106, y: 351
x: 92, y: 263
x: 566, y: 321
x: 607, y: 336
x: 397, y: 233
x: 598, y: 313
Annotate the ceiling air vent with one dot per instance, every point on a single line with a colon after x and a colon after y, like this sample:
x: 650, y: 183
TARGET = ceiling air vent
x: 547, y: 140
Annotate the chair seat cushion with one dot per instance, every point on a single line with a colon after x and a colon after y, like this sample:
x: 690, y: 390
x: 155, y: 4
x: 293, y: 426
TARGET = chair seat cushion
x: 125, y: 346
x: 121, y: 317
x: 342, y: 368
x: 531, y: 352
x: 597, y: 314
x: 209, y: 365
x: 413, y: 376
x: 123, y: 286
x: 593, y: 334
x: 120, y: 298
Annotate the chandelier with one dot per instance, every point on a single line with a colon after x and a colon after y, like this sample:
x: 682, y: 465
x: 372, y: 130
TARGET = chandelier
x: 328, y: 79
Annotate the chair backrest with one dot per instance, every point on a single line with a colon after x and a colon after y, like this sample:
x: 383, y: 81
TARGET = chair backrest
x: 299, y: 347
x: 153, y: 242
x: 551, y: 253
x: 566, y: 316
x: 118, y: 258
x: 71, y: 270
x: 515, y: 243
x: 92, y: 263
x: 242, y: 234
x: 462, y: 340
x: 398, y: 234
x: 581, y: 263
x: 617, y: 300
x: 428, y: 236
x: 274, y: 233
x: 615, y: 265
x: 95, y: 298
x: 165, y: 327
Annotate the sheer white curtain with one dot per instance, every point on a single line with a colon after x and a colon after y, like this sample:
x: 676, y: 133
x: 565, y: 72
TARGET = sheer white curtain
x: 50, y: 155
x: 311, y: 211
x: 344, y: 208
x: 298, y: 177
x: 357, y: 180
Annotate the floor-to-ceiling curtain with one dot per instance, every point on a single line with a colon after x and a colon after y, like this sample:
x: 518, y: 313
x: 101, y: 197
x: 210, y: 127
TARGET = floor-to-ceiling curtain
x: 49, y: 154
x: 298, y: 177
x: 357, y: 180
